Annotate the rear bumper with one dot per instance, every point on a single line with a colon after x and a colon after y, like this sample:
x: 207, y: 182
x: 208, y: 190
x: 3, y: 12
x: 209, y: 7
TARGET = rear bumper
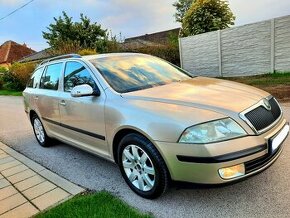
x: 200, y: 163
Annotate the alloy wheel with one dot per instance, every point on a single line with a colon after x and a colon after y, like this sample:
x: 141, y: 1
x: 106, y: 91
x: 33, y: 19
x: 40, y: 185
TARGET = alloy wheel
x: 39, y: 131
x: 138, y: 167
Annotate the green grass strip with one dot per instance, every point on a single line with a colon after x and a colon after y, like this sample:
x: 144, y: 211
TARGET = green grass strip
x: 10, y: 92
x: 101, y: 204
x: 264, y: 80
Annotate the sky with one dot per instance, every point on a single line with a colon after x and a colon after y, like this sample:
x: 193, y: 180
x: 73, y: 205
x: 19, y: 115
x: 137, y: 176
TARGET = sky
x: 128, y: 17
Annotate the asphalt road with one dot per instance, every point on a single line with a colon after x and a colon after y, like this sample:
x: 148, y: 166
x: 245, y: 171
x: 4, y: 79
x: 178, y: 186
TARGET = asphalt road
x: 266, y: 194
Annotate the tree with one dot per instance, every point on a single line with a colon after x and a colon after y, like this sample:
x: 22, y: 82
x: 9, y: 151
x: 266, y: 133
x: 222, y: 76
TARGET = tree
x: 182, y: 7
x: 207, y: 15
x: 65, y: 36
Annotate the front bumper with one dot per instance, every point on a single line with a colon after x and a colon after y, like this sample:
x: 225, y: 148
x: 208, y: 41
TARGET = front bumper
x: 200, y: 163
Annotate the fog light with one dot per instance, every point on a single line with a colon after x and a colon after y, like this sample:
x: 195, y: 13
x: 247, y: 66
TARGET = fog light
x: 232, y: 172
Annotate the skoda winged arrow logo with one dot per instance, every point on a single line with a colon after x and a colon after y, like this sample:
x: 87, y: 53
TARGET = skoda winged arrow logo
x: 267, y: 104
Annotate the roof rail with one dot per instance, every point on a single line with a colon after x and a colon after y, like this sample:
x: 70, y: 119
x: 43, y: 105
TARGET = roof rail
x: 60, y: 57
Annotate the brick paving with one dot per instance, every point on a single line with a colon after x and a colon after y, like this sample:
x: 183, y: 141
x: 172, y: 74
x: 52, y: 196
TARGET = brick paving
x: 26, y: 188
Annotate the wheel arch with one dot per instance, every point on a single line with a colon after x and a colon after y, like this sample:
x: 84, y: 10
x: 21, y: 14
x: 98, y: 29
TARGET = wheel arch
x: 121, y: 133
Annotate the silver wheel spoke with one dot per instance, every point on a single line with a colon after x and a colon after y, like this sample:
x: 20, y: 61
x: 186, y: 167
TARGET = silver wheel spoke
x: 149, y: 170
x: 141, y: 182
x: 128, y: 155
x: 135, y: 153
x: 41, y: 137
x: 132, y: 176
x: 143, y: 158
x: 148, y: 181
x: 127, y: 164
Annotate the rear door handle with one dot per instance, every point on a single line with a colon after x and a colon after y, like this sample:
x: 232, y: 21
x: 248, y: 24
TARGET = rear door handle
x: 62, y: 102
x: 36, y: 97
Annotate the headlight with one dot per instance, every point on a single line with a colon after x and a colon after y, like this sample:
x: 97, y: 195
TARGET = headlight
x: 213, y: 131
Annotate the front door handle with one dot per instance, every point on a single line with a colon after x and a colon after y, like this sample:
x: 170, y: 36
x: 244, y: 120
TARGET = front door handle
x: 62, y: 102
x: 36, y: 97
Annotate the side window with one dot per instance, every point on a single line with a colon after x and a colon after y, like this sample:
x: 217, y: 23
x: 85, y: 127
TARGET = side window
x: 35, y: 78
x: 50, y: 78
x: 76, y: 74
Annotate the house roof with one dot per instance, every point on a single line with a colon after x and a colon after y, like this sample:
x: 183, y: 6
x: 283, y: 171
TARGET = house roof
x: 137, y: 43
x: 38, y: 56
x: 11, y: 51
x: 158, y: 37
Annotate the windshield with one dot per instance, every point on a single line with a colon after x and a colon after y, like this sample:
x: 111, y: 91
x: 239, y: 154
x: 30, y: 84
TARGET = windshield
x: 127, y: 73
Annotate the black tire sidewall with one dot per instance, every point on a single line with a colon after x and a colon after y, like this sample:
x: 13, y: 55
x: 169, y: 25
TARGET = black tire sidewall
x: 160, y: 174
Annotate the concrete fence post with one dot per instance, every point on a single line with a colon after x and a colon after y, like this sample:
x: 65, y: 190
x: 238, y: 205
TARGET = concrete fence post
x: 180, y: 52
x: 219, y: 52
x: 272, y: 70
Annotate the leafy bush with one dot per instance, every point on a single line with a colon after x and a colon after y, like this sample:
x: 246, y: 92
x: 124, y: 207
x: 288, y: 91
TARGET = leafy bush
x: 87, y: 52
x: 17, y: 76
x: 1, y: 83
x: 2, y: 71
x: 65, y: 47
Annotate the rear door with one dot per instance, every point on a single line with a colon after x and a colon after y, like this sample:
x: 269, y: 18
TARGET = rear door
x: 47, y: 97
x: 82, y: 118
x: 32, y: 90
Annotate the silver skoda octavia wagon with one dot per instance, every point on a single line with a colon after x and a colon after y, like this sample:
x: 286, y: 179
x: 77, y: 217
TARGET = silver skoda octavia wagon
x: 155, y: 120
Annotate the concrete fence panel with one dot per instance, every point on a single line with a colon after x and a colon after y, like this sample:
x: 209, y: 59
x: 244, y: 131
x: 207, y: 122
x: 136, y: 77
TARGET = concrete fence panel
x: 246, y: 50
x: 282, y: 44
x: 200, y: 54
x: 252, y: 49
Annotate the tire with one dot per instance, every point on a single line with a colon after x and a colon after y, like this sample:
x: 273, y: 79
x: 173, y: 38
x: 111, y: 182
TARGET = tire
x: 40, y: 134
x: 142, y: 166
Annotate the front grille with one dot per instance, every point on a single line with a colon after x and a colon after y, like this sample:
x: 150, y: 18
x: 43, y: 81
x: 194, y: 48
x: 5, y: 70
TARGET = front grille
x: 261, y: 118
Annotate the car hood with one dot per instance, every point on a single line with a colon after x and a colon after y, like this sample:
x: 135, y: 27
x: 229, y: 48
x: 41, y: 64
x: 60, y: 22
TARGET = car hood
x: 205, y: 93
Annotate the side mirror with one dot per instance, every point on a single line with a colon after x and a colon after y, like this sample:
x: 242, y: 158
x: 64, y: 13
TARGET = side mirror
x: 84, y: 90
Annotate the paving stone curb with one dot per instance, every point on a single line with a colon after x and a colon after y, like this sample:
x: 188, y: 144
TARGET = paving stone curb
x: 26, y: 187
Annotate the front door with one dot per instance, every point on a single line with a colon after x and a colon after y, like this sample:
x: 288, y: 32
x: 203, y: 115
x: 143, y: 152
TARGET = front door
x: 82, y: 118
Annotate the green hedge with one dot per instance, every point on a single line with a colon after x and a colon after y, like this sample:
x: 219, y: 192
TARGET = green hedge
x: 166, y: 52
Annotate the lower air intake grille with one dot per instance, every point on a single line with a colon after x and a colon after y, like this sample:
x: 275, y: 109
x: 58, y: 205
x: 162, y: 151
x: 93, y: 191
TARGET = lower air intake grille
x: 256, y: 164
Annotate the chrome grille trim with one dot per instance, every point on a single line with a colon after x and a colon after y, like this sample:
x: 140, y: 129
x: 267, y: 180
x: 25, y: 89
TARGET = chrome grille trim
x: 260, y: 103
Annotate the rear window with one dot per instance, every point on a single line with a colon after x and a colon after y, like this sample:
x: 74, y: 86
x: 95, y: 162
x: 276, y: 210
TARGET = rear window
x: 35, y: 78
x: 50, y: 78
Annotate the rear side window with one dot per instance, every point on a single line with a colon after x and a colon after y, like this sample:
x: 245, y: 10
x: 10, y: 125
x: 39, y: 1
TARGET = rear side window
x: 76, y: 74
x: 35, y: 78
x: 50, y: 78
